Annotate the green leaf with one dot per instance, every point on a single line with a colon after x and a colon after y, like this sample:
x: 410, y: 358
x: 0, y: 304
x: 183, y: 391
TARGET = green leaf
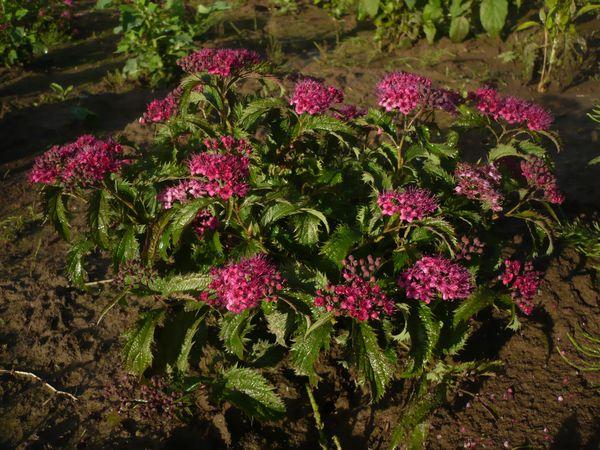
x: 56, y: 211
x: 127, y: 248
x: 276, y: 323
x: 459, y: 29
x: 478, y: 300
x: 234, y: 328
x: 306, y: 229
x: 137, y: 351
x: 501, y: 151
x: 98, y: 218
x: 368, y: 8
x: 257, y: 109
x: 492, y: 14
x: 185, y: 215
x: 306, y: 349
x: 372, y: 363
x: 319, y: 215
x: 340, y: 243
x: 75, y: 257
x: 324, y: 123
x: 248, y: 390
x: 181, y: 283
x: 594, y: 161
x: 278, y: 211
x: 176, y: 339
x: 424, y: 332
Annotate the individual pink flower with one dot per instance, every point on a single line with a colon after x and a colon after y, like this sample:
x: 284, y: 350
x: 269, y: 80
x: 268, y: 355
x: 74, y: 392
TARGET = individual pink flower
x: 436, y: 275
x: 411, y: 204
x: 205, y: 221
x: 358, y: 296
x: 83, y: 162
x: 480, y: 182
x: 224, y: 62
x: 542, y: 180
x: 244, y: 284
x: 403, y: 91
x: 523, y: 282
x: 313, y: 97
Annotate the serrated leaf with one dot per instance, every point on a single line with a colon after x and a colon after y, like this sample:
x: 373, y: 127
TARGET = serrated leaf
x: 184, y: 216
x: 372, y: 363
x: 339, y: 244
x: 277, y: 324
x: 176, y: 339
x: 278, y: 211
x: 248, y: 390
x: 56, y: 211
x: 75, y: 257
x: 234, y: 328
x: 127, y: 248
x: 257, y: 109
x: 181, y: 283
x: 98, y: 218
x: 306, y: 229
x: 424, y: 332
x: 478, y: 300
x: 137, y: 351
x: 501, y: 151
x: 306, y: 349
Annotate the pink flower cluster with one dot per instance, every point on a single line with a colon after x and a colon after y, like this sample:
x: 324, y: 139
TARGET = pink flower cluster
x: 480, y: 182
x: 511, y: 109
x: 83, y: 162
x: 205, y: 221
x: 411, y: 204
x: 242, y: 285
x: 224, y: 62
x: 403, y: 91
x: 223, y: 174
x: 359, y: 296
x: 313, y: 97
x: 523, y: 282
x: 444, y: 99
x: 468, y: 248
x: 159, y: 111
x: 433, y: 275
x: 540, y: 177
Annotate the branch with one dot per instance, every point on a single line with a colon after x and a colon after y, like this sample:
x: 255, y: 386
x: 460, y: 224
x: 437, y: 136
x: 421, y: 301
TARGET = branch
x: 19, y: 373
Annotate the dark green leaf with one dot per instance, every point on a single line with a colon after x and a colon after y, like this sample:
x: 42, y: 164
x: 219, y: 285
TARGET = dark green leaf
x: 137, y: 351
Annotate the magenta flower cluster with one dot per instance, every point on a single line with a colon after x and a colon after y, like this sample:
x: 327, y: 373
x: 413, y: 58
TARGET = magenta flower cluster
x: 480, y: 182
x: 224, y: 62
x: 358, y: 296
x: 218, y: 174
x: 83, y: 162
x: 511, y: 109
x: 403, y: 91
x: 313, y: 97
x: 205, y: 221
x: 411, y: 204
x: 523, y: 282
x: 242, y: 285
x: 161, y: 110
x: 542, y: 180
x: 348, y: 112
x: 436, y: 275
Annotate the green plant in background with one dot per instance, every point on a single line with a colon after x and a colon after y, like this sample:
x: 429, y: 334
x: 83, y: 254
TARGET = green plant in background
x: 155, y: 34
x: 562, y: 45
x: 587, y: 348
x: 29, y: 28
x: 276, y: 229
x: 284, y: 6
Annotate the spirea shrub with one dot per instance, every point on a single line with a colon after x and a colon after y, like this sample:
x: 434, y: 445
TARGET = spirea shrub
x: 276, y: 226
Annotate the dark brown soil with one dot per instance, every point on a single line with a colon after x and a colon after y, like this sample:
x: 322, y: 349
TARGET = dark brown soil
x: 50, y: 329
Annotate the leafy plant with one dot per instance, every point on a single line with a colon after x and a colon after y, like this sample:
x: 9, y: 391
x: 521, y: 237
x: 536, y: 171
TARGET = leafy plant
x: 587, y: 347
x: 28, y: 28
x: 155, y: 34
x: 282, y: 229
x: 562, y: 44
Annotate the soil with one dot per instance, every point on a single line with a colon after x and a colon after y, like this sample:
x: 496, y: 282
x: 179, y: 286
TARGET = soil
x: 51, y: 329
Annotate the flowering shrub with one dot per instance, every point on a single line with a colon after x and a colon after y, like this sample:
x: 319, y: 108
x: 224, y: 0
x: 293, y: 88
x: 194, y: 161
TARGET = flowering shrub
x: 275, y: 229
